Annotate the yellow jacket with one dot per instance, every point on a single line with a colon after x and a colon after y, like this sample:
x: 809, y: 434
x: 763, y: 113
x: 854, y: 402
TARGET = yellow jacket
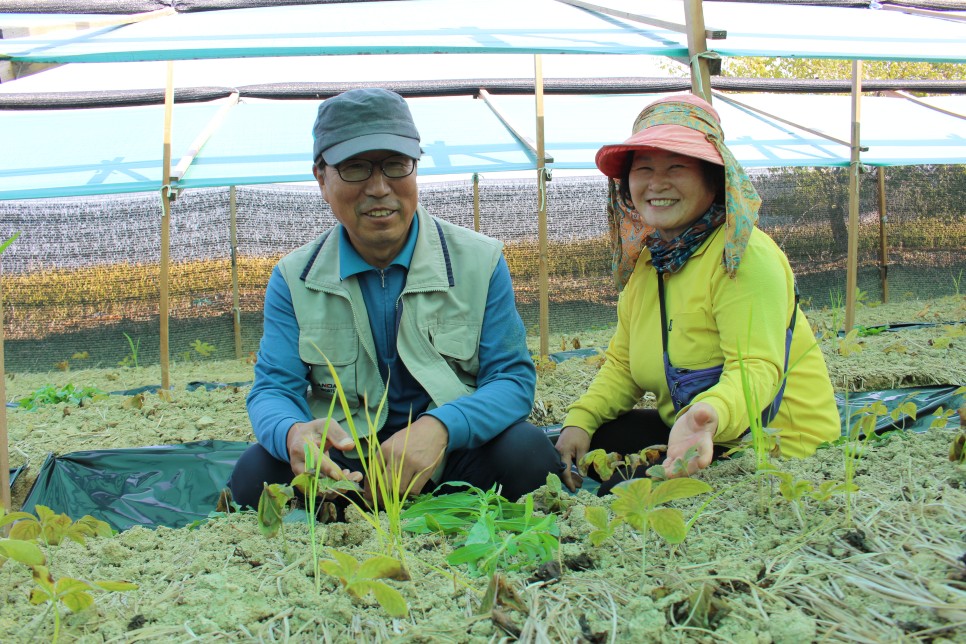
x: 711, y: 317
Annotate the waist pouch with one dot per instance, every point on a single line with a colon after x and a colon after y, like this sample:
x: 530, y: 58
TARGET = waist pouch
x: 685, y: 384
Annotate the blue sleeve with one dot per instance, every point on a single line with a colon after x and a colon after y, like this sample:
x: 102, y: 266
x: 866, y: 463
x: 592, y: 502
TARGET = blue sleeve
x: 277, y: 399
x: 507, y: 378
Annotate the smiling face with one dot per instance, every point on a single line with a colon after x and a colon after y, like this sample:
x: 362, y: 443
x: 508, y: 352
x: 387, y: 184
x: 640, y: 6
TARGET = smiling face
x: 376, y: 212
x: 669, y: 190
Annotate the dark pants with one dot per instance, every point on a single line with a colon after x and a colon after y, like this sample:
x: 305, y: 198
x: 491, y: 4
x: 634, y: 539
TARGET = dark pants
x: 627, y: 434
x: 518, y: 459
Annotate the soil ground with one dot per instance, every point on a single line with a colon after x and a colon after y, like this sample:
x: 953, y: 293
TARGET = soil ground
x: 886, y: 564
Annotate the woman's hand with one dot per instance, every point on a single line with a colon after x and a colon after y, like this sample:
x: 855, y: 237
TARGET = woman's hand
x: 572, y: 444
x: 300, y: 434
x: 695, y: 428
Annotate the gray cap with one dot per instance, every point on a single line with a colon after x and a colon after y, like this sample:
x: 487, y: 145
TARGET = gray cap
x: 361, y: 120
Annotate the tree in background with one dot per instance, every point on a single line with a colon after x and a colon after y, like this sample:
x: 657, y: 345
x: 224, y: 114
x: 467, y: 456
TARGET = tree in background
x: 823, y: 69
x: 933, y: 193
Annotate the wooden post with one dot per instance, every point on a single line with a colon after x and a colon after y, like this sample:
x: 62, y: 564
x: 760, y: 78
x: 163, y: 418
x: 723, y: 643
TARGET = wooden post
x: 697, y: 44
x: 883, y: 241
x: 542, y: 211
x: 852, y: 261
x: 476, y: 201
x: 235, y: 297
x: 166, y: 197
x: 4, y: 436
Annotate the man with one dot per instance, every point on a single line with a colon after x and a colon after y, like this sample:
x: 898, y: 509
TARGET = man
x: 403, y: 305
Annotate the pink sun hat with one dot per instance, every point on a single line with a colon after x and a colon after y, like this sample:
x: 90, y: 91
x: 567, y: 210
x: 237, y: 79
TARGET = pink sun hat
x: 613, y: 159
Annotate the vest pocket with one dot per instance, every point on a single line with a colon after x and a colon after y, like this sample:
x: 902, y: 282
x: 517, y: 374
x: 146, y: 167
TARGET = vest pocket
x: 459, y: 345
x: 341, y: 347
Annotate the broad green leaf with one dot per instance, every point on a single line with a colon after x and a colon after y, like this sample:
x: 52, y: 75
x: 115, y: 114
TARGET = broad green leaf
x: 631, y: 504
x: 360, y: 588
x: 470, y: 553
x: 26, y: 530
x: 677, y: 489
x: 603, y: 463
x: 347, y: 562
x: 390, y: 599
x: 382, y: 567
x: 14, y: 516
x: 43, y: 579
x: 668, y: 523
x: 333, y: 569
x: 116, y: 586
x: 554, y: 484
x: 73, y: 593
x: 480, y: 532
x: 26, y: 552
x: 596, y: 516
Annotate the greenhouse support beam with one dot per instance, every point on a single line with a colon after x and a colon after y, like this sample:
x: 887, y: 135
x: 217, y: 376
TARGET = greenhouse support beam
x: 515, y: 131
x: 729, y: 99
x: 710, y: 33
x: 852, y: 271
x: 542, y: 210
x: 476, y: 201
x: 167, y: 195
x: 883, y: 241
x: 235, y: 297
x: 697, y: 45
x: 4, y: 440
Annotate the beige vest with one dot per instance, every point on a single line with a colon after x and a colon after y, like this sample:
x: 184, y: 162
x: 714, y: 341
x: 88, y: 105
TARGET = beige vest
x: 439, y: 333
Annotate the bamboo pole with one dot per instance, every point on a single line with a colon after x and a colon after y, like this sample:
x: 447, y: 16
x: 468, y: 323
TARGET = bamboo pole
x: 852, y: 270
x: 476, y: 201
x: 235, y: 297
x: 166, y: 197
x: 542, y: 210
x: 883, y: 241
x: 697, y: 45
x: 4, y: 436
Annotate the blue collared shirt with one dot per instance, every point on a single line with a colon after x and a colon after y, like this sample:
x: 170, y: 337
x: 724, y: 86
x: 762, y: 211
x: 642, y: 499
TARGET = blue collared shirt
x: 381, y: 290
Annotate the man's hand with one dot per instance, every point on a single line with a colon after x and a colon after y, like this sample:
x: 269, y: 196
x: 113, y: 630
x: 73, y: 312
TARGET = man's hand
x: 413, y: 454
x: 695, y: 428
x: 572, y: 444
x: 311, y: 432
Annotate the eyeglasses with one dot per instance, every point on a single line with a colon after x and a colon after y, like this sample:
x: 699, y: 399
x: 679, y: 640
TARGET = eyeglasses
x: 394, y: 167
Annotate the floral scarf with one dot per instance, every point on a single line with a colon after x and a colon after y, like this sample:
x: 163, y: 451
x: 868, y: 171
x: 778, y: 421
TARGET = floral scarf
x: 670, y: 256
x: 629, y: 234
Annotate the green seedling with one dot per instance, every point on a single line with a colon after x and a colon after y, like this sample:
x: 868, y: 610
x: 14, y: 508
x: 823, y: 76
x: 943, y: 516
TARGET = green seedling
x: 940, y: 418
x: 678, y: 468
x: 850, y: 343
x: 131, y: 360
x: 272, y: 505
x: 384, y: 479
x: 457, y: 512
x: 865, y: 331
x: 74, y: 594
x: 638, y: 504
x: 312, y: 484
x: 795, y: 491
x: 361, y: 579
x: 203, y: 348
x: 51, y: 528
x: 51, y: 395
x: 604, y: 526
x: 487, y: 548
x: 607, y: 463
x: 552, y: 498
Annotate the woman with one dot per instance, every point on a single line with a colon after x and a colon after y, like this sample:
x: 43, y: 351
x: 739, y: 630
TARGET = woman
x: 683, y: 216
